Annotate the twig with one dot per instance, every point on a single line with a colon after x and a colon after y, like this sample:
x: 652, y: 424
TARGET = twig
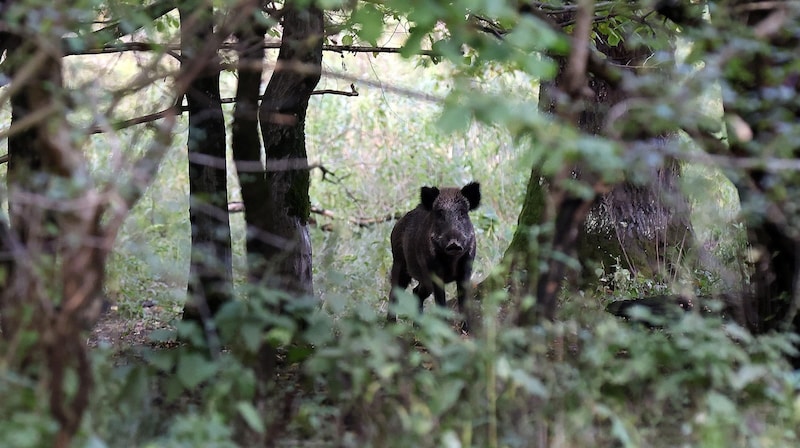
x: 579, y: 56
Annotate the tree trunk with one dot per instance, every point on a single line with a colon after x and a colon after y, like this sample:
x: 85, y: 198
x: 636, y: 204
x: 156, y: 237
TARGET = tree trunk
x: 31, y: 225
x: 55, y: 253
x: 645, y: 227
x: 522, y: 255
x: 660, y: 213
x: 287, y: 252
x: 639, y: 223
x: 246, y: 144
x: 210, y: 278
x: 754, y: 117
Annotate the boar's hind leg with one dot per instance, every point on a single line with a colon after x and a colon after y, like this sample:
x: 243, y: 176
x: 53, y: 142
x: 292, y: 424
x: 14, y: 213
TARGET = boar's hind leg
x: 400, y: 279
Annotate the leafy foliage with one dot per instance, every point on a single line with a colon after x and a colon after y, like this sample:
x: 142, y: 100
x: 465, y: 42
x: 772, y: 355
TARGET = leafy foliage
x: 345, y: 378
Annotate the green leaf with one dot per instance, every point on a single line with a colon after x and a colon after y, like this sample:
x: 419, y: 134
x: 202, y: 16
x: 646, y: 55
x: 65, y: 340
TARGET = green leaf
x: 454, y: 118
x: 747, y: 375
x: 161, y: 360
x: 450, y: 440
x: 193, y: 369
x: 95, y: 442
x: 250, y: 334
x: 720, y: 404
x: 162, y: 335
x: 371, y: 23
x: 299, y: 353
x: 446, y: 394
x: 533, y: 385
x: 135, y: 384
x: 250, y: 416
x: 279, y: 336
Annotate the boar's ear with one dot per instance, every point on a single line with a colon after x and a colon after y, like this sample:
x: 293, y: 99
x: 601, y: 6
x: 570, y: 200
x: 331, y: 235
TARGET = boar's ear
x: 472, y: 191
x: 427, y: 196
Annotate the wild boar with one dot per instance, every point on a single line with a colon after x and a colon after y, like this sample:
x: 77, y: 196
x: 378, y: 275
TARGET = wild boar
x: 435, y: 244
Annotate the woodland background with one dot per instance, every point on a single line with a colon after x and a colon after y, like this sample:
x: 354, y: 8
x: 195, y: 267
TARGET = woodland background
x: 199, y: 197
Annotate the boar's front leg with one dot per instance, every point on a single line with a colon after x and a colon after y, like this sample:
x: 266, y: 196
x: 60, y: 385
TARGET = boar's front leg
x: 422, y: 293
x: 438, y: 294
x: 400, y: 279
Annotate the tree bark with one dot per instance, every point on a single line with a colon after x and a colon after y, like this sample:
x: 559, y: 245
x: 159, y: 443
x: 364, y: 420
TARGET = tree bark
x: 210, y: 278
x: 521, y: 258
x: 246, y: 143
x: 645, y: 227
x: 287, y: 246
x: 566, y: 97
x: 55, y: 253
x: 599, y: 233
x: 26, y: 179
x: 756, y: 120
x: 639, y: 222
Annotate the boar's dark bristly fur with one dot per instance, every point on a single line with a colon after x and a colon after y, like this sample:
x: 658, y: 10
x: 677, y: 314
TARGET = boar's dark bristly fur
x: 435, y: 244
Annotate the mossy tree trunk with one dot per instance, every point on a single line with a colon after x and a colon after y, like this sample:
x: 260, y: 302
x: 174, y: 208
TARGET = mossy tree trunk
x: 644, y: 222
x: 282, y: 114
x: 659, y: 212
x: 520, y: 262
x: 211, y: 267
x: 275, y: 195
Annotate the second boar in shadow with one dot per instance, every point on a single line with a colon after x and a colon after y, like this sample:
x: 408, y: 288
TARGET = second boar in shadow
x: 434, y: 244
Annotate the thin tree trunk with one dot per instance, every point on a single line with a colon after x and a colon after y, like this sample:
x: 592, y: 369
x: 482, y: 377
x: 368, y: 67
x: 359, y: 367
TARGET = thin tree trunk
x: 29, y: 221
x: 210, y: 279
x: 246, y: 144
x: 247, y: 155
x: 287, y: 254
x: 55, y: 252
x: 569, y: 208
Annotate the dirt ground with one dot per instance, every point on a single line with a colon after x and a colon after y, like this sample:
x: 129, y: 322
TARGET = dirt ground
x: 118, y: 332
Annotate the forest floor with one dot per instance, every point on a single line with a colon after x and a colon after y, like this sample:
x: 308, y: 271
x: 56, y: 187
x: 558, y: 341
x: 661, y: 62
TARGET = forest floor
x: 121, y: 332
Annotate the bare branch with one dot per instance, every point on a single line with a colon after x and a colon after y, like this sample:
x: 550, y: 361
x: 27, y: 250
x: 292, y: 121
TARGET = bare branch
x: 122, y: 198
x: 352, y: 92
x: 118, y: 27
x: 121, y: 47
x: 238, y: 207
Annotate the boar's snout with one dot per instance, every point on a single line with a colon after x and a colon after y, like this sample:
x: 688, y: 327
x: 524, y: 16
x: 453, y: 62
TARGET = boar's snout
x: 454, y: 248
